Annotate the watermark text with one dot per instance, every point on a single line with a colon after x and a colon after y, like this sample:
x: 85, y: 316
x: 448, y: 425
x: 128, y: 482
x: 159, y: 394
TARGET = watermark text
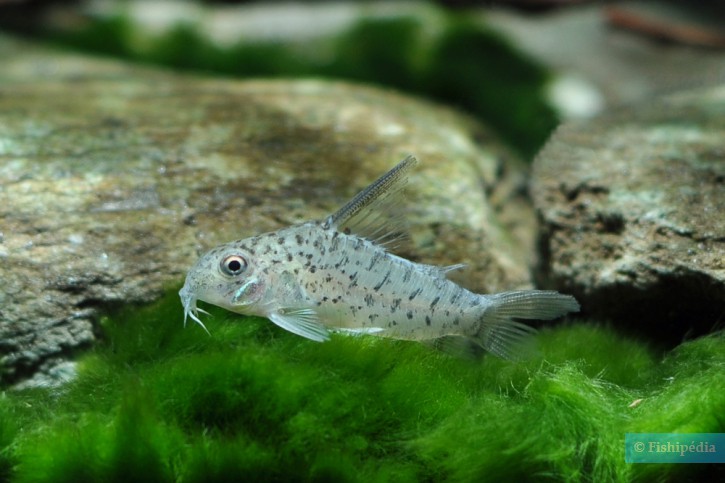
x: 674, y: 448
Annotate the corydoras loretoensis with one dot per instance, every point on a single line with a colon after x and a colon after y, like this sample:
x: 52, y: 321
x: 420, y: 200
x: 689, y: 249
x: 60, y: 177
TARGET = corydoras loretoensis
x: 336, y: 274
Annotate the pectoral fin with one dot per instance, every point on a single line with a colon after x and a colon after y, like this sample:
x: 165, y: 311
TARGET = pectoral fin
x: 303, y: 322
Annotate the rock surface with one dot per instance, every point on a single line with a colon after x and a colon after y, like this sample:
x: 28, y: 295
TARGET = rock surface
x: 113, y: 178
x: 633, y: 208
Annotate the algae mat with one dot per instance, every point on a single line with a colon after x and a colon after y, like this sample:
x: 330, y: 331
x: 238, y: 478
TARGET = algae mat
x: 158, y: 402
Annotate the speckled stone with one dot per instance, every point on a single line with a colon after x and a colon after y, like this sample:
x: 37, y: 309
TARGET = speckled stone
x: 113, y: 178
x: 633, y: 209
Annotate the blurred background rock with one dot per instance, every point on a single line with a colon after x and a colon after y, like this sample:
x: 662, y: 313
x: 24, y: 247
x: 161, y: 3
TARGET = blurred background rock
x: 521, y: 66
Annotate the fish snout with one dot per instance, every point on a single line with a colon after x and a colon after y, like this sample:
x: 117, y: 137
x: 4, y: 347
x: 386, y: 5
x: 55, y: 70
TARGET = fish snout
x: 188, y: 295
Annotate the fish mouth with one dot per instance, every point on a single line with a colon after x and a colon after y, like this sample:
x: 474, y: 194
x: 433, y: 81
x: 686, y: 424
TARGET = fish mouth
x: 191, y: 311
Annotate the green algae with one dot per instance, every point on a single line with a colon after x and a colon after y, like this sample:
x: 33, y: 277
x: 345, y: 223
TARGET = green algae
x: 155, y: 400
x: 482, y: 72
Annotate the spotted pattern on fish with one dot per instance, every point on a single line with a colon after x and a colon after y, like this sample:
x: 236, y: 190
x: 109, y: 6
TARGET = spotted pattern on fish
x: 332, y: 274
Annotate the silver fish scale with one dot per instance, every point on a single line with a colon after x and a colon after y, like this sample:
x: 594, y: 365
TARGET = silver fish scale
x: 353, y: 283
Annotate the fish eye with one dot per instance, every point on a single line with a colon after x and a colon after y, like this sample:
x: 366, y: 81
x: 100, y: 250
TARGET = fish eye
x: 233, y: 265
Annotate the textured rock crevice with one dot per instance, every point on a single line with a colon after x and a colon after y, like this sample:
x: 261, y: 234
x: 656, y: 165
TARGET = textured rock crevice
x: 632, y: 210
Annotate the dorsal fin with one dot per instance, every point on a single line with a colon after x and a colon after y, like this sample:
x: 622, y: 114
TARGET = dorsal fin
x: 374, y: 213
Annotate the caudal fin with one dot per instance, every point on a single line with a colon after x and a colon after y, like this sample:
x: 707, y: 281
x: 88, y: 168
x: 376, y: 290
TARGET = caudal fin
x: 503, y: 335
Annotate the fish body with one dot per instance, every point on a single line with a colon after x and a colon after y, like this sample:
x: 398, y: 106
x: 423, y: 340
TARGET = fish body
x: 337, y: 274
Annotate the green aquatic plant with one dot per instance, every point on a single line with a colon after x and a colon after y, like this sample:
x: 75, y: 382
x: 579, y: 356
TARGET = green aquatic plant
x: 479, y: 70
x: 155, y: 400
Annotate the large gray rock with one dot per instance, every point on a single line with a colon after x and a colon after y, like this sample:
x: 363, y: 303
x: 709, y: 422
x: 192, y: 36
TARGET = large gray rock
x: 113, y: 178
x: 633, y: 208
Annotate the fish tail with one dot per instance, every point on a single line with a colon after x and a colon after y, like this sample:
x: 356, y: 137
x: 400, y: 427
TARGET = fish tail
x: 502, y: 334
